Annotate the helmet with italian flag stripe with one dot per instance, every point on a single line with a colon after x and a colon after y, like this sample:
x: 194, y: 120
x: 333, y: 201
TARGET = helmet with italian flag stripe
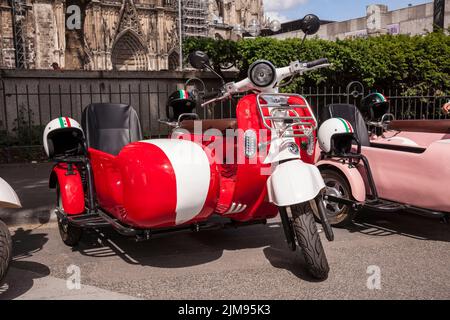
x: 334, y: 129
x: 61, y: 135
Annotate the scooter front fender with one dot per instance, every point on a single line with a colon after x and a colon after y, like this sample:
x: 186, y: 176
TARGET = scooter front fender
x: 352, y: 174
x: 8, y: 197
x: 294, y: 182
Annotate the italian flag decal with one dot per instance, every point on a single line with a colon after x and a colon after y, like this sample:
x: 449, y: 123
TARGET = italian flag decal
x: 183, y: 94
x: 64, y: 122
x: 347, y: 125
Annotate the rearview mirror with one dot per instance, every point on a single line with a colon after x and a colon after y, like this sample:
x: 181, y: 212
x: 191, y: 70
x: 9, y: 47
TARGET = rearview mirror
x: 310, y: 24
x: 199, y: 60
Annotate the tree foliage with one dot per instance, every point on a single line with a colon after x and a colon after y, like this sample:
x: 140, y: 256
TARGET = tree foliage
x: 412, y: 64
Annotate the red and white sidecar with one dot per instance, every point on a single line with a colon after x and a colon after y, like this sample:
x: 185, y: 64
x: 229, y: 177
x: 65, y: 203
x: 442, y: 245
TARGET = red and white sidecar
x: 405, y: 167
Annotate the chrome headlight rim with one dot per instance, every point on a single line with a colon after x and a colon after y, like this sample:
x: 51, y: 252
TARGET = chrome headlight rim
x: 264, y: 63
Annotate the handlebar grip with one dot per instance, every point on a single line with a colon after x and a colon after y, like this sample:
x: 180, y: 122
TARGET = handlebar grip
x: 316, y: 63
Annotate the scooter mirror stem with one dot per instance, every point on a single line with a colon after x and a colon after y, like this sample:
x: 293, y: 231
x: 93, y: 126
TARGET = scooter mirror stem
x: 207, y: 66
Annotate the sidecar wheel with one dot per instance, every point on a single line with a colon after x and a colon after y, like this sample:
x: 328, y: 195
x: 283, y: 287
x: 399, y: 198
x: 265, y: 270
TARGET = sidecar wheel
x: 339, y: 215
x: 5, y: 250
x: 309, y: 241
x: 70, y: 234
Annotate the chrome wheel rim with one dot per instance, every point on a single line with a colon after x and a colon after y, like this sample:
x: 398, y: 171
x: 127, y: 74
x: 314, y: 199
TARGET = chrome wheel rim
x: 336, y: 189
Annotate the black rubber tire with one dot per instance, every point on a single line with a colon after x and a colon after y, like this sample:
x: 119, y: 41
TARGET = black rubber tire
x: 5, y: 250
x: 345, y: 218
x: 70, y: 234
x: 308, y: 239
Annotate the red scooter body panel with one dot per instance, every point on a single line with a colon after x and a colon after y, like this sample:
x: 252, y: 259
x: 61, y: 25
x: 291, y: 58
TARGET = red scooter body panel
x: 71, y: 189
x: 251, y: 177
x: 303, y: 112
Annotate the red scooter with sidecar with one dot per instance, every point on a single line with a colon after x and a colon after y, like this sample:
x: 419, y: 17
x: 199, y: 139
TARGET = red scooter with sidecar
x: 106, y: 174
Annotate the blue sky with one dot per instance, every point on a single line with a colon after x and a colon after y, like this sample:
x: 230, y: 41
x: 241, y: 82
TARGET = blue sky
x: 337, y: 10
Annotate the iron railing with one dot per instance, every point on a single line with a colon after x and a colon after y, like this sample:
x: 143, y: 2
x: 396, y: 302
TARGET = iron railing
x: 26, y: 107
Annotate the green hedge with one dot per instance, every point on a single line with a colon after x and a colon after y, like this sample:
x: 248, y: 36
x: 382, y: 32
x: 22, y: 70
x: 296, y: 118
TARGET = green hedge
x: 411, y: 64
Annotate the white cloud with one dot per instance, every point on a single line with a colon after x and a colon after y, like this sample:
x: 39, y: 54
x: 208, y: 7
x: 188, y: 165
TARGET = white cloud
x: 277, y: 5
x: 274, y: 15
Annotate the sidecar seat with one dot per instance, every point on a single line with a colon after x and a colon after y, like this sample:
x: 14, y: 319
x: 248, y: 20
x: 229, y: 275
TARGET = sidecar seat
x: 350, y: 113
x: 110, y: 127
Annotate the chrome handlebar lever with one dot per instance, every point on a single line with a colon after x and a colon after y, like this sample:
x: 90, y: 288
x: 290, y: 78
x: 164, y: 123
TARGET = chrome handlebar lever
x: 218, y: 99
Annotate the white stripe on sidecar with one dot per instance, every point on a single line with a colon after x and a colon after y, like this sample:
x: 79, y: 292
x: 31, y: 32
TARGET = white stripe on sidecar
x: 192, y: 174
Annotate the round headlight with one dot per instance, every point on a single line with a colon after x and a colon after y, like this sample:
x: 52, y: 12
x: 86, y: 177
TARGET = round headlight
x: 262, y: 73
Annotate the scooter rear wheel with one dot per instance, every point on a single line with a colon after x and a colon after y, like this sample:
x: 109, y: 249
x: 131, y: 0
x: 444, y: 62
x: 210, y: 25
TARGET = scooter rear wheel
x: 5, y: 250
x: 70, y: 234
x: 308, y: 239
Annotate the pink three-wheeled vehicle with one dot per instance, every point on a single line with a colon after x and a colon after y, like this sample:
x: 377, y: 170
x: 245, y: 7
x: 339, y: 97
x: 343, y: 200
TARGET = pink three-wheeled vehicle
x: 370, y: 160
x: 106, y: 174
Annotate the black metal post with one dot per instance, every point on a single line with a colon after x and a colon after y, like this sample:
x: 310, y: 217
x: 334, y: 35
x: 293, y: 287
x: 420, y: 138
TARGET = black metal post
x: 439, y: 15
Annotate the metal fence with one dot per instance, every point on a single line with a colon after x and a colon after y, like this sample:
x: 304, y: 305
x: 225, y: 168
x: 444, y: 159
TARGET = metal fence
x: 404, y: 107
x: 28, y: 104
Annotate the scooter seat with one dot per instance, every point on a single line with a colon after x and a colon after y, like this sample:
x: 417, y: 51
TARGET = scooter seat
x: 219, y: 124
x: 428, y: 126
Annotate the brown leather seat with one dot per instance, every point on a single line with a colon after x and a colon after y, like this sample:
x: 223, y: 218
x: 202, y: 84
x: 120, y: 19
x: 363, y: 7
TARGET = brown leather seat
x: 219, y: 124
x: 430, y: 126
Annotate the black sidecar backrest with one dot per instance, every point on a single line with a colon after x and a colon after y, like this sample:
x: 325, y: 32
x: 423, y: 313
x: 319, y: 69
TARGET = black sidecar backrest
x: 350, y: 113
x: 110, y: 127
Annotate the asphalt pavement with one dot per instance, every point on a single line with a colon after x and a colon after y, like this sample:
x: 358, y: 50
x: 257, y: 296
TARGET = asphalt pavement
x: 382, y: 256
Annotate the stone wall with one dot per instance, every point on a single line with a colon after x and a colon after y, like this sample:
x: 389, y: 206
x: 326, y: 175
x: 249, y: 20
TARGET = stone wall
x: 7, y: 52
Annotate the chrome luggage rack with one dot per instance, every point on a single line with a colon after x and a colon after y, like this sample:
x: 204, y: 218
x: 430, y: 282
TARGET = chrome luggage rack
x: 278, y: 103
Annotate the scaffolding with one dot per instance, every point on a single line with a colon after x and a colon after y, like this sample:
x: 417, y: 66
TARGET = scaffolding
x: 19, y: 14
x: 195, y: 18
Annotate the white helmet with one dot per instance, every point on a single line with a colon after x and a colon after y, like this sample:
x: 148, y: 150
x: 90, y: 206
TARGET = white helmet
x: 332, y: 129
x: 61, y: 135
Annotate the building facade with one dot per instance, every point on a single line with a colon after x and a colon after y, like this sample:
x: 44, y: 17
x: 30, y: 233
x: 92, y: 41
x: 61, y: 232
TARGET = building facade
x: 224, y: 15
x: 413, y: 20
x: 89, y: 35
x: 119, y: 35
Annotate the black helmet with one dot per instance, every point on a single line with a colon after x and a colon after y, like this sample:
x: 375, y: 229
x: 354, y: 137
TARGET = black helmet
x: 374, y: 106
x: 179, y: 102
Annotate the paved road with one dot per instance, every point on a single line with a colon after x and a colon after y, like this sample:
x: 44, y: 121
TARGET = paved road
x: 413, y: 255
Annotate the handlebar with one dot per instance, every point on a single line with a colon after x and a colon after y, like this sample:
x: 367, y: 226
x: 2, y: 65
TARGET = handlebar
x: 316, y: 63
x: 295, y: 68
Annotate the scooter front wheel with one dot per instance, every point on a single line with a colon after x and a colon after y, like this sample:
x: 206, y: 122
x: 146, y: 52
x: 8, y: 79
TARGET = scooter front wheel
x: 308, y: 239
x: 5, y: 250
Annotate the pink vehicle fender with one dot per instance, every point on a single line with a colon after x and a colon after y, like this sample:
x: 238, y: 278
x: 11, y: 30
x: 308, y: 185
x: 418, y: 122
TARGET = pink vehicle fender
x: 353, y: 176
x: 71, y: 188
